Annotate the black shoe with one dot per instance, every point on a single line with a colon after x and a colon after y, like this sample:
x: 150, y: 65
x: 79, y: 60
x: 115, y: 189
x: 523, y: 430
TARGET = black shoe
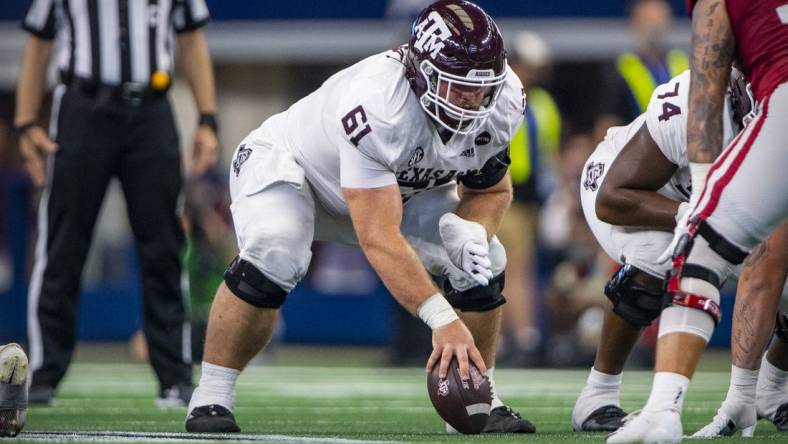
x: 505, y: 420
x: 41, y: 395
x: 781, y: 418
x: 175, y: 396
x: 608, y: 418
x: 211, y: 419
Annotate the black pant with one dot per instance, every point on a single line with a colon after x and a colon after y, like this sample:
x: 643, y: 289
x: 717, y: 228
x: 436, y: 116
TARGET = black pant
x: 100, y: 137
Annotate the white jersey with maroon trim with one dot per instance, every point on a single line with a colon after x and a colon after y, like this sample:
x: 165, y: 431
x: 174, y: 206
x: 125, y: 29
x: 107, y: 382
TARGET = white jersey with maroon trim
x: 365, y: 128
x: 666, y: 121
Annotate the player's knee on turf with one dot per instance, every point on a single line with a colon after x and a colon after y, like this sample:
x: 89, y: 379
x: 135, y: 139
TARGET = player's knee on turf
x: 252, y: 286
x: 701, y: 263
x: 633, y: 298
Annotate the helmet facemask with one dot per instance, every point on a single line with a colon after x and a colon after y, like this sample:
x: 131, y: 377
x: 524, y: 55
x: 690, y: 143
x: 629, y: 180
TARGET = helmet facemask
x: 460, y: 104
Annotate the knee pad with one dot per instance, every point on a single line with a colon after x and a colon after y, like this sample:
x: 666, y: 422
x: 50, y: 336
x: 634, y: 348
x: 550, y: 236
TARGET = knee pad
x: 698, y: 272
x: 692, y: 299
x: 781, y: 327
x: 637, y: 304
x: 695, y: 308
x: 251, y: 285
x: 477, y: 298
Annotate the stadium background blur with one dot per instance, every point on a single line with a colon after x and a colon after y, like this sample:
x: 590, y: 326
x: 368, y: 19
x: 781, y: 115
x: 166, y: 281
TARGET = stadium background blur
x: 268, y: 54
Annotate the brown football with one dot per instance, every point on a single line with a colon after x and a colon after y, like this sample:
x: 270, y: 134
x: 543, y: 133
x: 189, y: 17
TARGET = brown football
x: 464, y: 406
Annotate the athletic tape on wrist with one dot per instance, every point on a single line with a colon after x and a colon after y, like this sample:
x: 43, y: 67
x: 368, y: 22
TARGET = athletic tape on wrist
x: 436, y: 311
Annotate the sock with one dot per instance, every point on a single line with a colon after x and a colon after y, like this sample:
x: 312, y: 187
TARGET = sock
x: 601, y: 389
x: 667, y: 392
x: 743, y: 383
x: 739, y: 404
x: 496, y: 401
x: 217, y: 386
x: 771, y: 388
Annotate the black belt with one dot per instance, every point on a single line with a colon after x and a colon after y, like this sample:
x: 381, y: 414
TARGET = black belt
x: 128, y: 93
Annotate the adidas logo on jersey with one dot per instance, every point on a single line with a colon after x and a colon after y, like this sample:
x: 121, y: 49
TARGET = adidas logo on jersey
x: 470, y: 152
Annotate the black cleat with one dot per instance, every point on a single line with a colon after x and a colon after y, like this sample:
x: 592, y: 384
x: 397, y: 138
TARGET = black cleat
x: 607, y: 418
x: 781, y: 417
x: 211, y: 419
x: 505, y: 420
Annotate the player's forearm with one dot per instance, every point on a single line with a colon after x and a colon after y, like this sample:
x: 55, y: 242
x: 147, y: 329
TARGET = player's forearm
x: 32, y: 75
x: 757, y: 298
x: 713, y: 47
x: 400, y: 269
x: 486, y: 207
x: 196, y: 62
x: 633, y: 207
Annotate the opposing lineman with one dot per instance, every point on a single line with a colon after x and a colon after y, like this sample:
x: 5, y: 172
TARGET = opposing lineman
x: 635, y: 185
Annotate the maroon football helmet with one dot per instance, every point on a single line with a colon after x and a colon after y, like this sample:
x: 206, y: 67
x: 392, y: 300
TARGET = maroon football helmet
x: 456, y: 49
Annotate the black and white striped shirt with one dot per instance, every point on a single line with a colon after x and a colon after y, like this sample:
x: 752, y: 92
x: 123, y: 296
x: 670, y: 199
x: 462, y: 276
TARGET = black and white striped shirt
x: 114, y: 41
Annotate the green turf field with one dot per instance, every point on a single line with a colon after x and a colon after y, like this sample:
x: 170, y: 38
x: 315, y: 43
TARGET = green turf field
x: 330, y: 404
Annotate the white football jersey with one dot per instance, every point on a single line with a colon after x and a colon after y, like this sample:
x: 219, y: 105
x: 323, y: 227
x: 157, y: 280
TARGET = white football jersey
x: 364, y: 128
x: 666, y: 120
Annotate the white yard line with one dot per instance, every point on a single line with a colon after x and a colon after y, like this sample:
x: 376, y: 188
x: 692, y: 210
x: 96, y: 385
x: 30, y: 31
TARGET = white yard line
x: 123, y: 437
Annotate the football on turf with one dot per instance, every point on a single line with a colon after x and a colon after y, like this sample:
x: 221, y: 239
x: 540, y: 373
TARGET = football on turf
x: 463, y: 405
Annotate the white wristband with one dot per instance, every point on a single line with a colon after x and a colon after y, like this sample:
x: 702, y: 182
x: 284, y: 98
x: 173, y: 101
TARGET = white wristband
x: 436, y: 311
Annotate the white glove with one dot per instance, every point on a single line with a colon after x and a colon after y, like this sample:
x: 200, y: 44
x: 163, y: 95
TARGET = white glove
x: 698, y: 171
x: 466, y: 244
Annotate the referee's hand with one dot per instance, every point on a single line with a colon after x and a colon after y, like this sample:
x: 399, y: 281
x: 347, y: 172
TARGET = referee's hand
x: 205, y: 154
x: 34, y: 145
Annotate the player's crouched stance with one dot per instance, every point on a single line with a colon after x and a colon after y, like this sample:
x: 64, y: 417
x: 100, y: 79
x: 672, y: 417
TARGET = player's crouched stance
x: 13, y: 389
x: 636, y: 186
x: 373, y: 158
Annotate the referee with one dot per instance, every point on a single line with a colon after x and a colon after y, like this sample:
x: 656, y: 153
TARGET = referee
x: 110, y: 118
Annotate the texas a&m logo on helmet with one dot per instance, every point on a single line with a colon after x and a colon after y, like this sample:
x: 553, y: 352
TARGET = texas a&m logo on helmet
x: 430, y: 34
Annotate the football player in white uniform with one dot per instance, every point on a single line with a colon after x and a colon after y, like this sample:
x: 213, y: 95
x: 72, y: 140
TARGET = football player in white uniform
x: 404, y: 153
x: 13, y: 389
x: 636, y: 185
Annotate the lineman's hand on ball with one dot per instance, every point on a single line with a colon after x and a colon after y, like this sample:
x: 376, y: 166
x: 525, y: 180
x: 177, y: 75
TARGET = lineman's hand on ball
x: 205, y: 154
x: 466, y: 244
x: 34, y: 144
x: 454, y: 339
